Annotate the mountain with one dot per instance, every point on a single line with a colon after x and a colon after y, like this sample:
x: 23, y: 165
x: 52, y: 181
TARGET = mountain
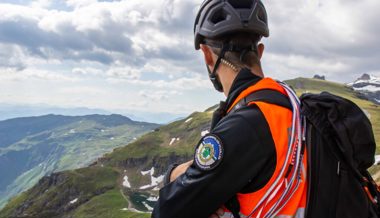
x: 10, y: 111
x: 368, y: 86
x: 125, y: 182
x: 33, y: 147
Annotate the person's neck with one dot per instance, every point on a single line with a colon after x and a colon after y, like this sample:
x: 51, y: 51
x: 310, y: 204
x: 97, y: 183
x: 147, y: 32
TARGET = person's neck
x: 229, y: 75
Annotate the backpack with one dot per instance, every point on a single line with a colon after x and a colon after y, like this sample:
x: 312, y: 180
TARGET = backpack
x: 341, y: 147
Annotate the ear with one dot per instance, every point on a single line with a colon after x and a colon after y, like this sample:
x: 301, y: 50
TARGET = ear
x: 260, y: 49
x: 208, y: 55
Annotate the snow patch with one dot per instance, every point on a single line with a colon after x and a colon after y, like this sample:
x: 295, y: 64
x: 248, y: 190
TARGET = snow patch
x: 151, y: 171
x: 147, y: 206
x: 145, y: 187
x: 157, y: 180
x: 74, y: 201
x: 112, y: 138
x: 369, y: 88
x: 172, y: 141
x: 72, y: 131
x: 126, y: 182
x: 188, y: 120
x: 154, y: 180
x: 151, y: 198
x: 203, y: 133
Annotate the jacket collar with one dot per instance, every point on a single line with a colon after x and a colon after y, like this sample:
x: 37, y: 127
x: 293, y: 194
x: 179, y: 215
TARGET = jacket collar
x: 243, y: 80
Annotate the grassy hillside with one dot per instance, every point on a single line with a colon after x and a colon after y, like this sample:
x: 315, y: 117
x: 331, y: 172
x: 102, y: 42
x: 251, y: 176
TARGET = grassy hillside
x: 31, y: 148
x: 303, y: 85
x: 122, y: 183
x: 99, y: 188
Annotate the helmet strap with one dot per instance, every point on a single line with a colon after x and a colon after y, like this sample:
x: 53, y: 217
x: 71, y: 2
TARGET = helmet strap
x: 212, y: 75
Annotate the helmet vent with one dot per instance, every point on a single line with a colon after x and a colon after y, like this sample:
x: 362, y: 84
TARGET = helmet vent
x: 219, y: 16
x: 262, y: 16
x: 241, y: 4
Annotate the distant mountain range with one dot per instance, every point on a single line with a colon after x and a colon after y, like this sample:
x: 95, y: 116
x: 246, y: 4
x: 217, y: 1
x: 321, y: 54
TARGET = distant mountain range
x: 33, y: 147
x: 125, y: 182
x: 9, y: 111
x: 368, y: 86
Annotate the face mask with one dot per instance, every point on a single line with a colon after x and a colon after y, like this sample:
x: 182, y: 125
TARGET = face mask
x: 214, y: 79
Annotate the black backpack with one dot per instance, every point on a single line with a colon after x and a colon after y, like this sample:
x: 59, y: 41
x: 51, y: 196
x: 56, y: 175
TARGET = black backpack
x: 341, y: 147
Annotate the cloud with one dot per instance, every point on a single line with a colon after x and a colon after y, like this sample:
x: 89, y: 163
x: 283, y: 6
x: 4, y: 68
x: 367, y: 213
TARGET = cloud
x: 11, y: 57
x: 130, y: 32
x: 327, y: 34
x: 123, y: 73
x: 185, y: 83
x: 133, y: 45
x: 160, y: 95
x: 41, y: 4
x: 28, y: 74
x: 333, y: 37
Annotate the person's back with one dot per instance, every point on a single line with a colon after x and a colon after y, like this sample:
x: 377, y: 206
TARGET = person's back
x: 251, y: 163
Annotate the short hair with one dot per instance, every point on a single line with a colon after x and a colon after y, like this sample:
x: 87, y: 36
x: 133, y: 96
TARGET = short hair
x: 249, y: 60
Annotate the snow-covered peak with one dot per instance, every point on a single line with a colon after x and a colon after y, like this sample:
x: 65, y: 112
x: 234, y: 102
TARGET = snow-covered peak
x: 368, y: 86
x: 365, y: 80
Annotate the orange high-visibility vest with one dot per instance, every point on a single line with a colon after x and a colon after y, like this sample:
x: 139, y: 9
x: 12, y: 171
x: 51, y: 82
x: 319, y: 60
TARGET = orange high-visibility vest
x: 280, y: 121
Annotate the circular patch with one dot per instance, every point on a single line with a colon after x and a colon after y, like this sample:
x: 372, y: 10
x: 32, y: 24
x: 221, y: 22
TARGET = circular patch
x: 209, y: 153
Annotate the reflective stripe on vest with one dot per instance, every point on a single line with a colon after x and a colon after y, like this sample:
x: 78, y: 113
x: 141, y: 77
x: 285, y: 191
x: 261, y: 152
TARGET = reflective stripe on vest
x: 300, y: 214
x: 282, y: 196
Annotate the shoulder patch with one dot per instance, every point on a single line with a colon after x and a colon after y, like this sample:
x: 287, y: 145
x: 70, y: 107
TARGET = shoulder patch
x: 209, y: 152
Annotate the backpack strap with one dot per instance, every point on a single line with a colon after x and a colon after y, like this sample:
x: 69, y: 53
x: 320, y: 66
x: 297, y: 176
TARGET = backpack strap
x: 265, y: 95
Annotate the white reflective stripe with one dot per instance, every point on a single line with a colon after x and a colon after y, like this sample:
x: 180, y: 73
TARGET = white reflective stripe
x: 300, y: 214
x: 285, y: 164
x: 294, y: 152
x: 296, y: 156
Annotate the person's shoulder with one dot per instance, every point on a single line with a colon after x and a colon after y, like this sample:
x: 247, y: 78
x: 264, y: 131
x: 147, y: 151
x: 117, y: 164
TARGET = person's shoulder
x: 242, y: 122
x: 247, y: 115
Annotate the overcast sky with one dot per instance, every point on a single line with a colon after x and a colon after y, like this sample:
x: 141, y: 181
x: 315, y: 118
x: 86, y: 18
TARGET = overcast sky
x: 134, y: 54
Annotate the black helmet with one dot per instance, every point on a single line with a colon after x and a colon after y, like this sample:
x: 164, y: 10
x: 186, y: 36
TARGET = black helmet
x: 222, y: 17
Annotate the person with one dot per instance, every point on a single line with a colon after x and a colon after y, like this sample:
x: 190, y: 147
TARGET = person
x: 251, y: 164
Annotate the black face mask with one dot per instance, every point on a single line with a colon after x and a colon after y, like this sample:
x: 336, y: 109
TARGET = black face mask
x: 215, y: 79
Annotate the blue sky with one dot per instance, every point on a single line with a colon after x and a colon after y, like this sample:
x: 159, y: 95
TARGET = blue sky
x: 139, y: 55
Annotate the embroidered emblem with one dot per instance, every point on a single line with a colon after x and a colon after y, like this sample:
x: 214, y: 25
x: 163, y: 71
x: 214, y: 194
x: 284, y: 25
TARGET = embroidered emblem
x: 209, y: 152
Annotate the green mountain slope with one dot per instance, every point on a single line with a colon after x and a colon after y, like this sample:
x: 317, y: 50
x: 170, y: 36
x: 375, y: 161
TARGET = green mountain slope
x: 125, y: 182
x: 31, y: 148
x: 303, y: 85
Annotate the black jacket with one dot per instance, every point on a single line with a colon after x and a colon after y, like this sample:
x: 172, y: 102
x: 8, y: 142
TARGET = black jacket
x: 246, y: 164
